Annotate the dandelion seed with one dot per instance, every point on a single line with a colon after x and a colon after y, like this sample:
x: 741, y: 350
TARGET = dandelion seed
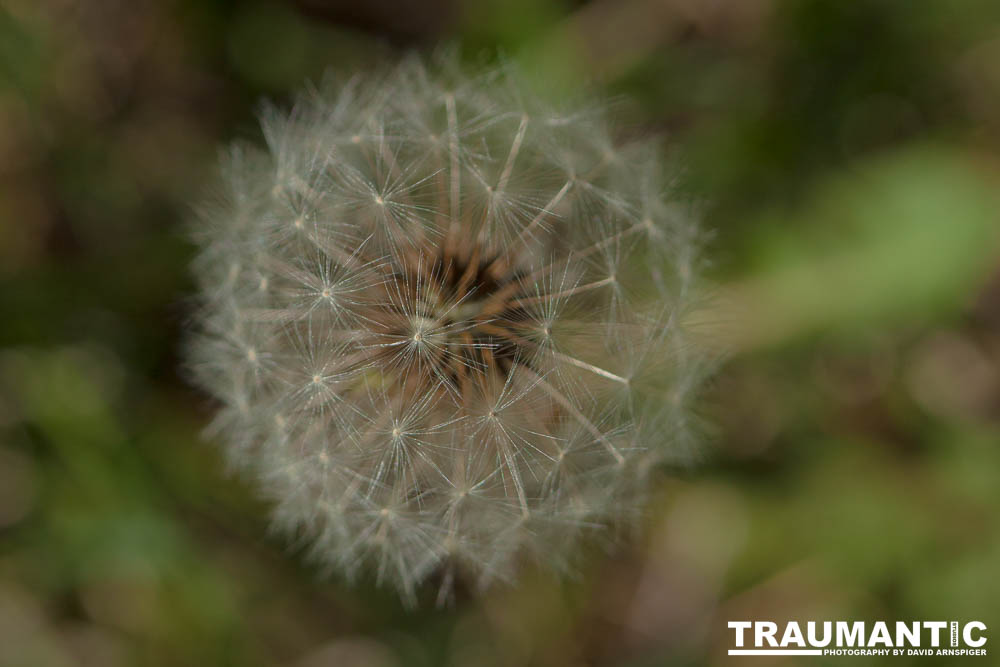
x: 444, y: 322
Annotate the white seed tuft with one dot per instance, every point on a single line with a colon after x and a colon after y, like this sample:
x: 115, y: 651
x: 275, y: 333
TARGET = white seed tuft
x: 444, y: 322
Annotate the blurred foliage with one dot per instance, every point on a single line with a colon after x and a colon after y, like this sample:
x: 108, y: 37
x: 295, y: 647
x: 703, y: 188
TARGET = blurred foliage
x: 845, y: 156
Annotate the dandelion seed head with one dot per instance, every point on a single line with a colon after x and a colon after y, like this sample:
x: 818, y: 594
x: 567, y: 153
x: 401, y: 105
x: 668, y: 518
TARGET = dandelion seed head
x: 466, y: 306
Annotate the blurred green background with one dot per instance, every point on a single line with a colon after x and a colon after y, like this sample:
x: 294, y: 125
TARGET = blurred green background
x: 846, y: 157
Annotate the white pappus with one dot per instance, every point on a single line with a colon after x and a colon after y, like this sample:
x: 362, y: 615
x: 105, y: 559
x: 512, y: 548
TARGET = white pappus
x: 446, y: 322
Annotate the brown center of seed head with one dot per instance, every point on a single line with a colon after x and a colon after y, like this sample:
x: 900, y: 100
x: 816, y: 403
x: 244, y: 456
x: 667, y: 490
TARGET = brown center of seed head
x: 452, y: 321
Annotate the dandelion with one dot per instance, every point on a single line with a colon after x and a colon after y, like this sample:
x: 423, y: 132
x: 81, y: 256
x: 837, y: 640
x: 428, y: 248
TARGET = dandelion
x: 445, y: 323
